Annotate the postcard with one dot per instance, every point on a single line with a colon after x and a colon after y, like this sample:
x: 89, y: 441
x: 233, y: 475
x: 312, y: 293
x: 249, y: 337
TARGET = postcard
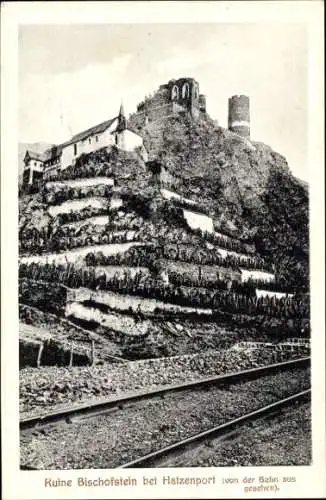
x: 162, y: 250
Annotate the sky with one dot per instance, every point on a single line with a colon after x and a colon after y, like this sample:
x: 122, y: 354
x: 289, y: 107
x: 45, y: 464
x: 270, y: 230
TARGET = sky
x: 72, y: 77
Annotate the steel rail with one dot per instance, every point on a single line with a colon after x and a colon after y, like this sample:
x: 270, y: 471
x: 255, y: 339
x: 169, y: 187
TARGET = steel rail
x: 220, y: 431
x: 95, y: 407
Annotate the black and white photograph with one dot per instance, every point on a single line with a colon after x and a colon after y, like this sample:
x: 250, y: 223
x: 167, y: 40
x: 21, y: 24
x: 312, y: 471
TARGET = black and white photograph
x: 164, y: 264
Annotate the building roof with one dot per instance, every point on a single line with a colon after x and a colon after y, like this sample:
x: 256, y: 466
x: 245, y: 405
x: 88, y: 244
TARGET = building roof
x: 35, y: 156
x: 55, y: 151
x: 90, y: 131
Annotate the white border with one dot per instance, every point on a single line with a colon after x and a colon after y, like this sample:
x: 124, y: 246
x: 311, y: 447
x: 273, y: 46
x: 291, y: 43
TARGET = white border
x: 17, y: 485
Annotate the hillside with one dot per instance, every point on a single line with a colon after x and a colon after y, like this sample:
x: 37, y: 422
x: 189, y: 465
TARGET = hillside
x: 246, y: 186
x: 218, y: 256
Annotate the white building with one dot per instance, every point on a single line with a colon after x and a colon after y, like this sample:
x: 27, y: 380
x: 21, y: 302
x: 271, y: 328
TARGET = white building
x: 112, y: 132
x: 33, y: 168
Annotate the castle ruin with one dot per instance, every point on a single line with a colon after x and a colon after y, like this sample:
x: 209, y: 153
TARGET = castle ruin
x: 176, y: 96
x: 182, y: 96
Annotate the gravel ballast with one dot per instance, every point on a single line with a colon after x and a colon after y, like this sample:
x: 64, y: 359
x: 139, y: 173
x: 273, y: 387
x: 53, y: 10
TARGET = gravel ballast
x: 284, y: 440
x: 44, y: 389
x: 109, y: 441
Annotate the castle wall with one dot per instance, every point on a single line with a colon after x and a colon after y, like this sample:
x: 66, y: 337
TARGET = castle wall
x: 185, y: 92
x: 175, y: 97
x: 153, y: 113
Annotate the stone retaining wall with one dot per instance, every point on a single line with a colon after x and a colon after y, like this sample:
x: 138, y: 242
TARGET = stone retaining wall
x: 125, y: 324
x: 77, y: 205
x: 254, y: 274
x: 78, y: 254
x: 124, y: 302
x: 207, y: 272
x: 88, y: 182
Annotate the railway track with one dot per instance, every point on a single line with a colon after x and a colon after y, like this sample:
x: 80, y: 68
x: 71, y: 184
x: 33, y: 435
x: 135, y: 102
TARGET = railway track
x: 93, y: 408
x: 167, y: 456
x: 164, y: 456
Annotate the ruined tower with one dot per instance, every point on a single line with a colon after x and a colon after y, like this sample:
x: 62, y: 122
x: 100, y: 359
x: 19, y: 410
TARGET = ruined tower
x: 239, y: 115
x: 177, y: 96
x: 185, y: 93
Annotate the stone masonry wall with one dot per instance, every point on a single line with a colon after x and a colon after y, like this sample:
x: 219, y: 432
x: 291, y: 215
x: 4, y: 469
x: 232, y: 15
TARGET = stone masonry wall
x: 207, y: 272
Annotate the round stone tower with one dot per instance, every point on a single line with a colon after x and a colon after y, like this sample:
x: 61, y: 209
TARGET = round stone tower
x: 239, y: 115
